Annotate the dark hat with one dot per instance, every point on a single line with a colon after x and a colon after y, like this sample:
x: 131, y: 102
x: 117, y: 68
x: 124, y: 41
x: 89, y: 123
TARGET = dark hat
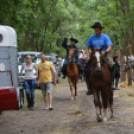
x: 73, y: 39
x: 97, y: 24
x: 115, y: 57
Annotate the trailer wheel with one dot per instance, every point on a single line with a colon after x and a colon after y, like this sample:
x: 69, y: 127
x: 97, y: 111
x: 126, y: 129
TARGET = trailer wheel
x: 21, y: 98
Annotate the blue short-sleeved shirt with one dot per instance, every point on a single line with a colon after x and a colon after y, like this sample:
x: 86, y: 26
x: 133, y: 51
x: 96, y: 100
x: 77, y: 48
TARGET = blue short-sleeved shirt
x: 98, y: 42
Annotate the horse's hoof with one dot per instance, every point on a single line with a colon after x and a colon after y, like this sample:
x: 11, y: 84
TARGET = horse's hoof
x: 99, y: 119
x: 75, y: 98
x: 72, y: 98
x: 112, y: 117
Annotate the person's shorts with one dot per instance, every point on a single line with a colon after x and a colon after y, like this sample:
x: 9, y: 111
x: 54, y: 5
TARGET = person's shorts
x: 46, y: 88
x: 108, y: 60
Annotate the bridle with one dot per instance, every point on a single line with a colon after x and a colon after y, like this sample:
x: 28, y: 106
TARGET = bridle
x: 97, y: 62
x: 71, y: 60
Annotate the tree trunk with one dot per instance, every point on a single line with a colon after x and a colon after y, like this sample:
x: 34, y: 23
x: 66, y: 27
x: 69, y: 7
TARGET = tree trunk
x: 25, y: 40
x: 122, y: 67
x: 129, y: 72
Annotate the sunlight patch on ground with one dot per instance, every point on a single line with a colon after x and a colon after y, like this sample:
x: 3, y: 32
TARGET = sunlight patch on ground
x: 126, y: 92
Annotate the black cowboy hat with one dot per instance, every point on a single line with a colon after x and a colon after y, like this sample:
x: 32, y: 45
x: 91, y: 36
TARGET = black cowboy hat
x: 75, y: 40
x: 115, y: 57
x: 97, y: 24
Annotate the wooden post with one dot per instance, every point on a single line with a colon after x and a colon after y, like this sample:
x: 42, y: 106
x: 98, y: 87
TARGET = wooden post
x: 129, y: 72
x: 122, y: 67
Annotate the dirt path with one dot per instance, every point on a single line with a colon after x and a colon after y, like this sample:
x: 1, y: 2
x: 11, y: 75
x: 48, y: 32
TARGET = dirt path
x: 68, y: 117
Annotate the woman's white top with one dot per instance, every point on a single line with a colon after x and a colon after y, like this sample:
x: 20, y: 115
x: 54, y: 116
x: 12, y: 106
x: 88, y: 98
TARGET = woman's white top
x: 80, y: 56
x: 29, y: 71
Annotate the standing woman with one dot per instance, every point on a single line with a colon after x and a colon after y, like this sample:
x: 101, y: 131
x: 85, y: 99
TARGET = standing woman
x: 29, y: 80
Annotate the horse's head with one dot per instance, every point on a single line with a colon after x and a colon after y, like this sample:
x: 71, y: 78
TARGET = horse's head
x: 96, y: 59
x: 71, y: 53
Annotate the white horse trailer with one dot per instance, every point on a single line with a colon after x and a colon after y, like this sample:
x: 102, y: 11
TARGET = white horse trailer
x: 9, y: 63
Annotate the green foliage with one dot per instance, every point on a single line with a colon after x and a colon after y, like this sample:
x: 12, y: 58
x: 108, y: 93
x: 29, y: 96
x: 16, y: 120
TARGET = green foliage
x: 44, y: 23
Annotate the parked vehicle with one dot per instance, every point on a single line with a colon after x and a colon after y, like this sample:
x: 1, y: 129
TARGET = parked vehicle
x: 11, y: 95
x: 59, y: 66
x: 35, y: 59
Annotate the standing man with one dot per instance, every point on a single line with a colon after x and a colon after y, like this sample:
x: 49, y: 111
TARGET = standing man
x: 98, y: 40
x: 73, y: 43
x: 45, y: 81
x: 117, y: 71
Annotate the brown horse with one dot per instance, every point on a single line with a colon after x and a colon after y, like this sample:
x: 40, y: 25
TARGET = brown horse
x: 72, y: 72
x: 100, y: 82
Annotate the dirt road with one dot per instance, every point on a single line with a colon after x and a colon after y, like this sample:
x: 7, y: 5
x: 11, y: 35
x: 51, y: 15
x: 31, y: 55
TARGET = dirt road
x: 68, y: 117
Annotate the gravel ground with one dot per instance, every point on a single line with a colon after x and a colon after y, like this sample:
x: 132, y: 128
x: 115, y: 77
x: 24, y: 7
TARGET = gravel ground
x: 68, y: 117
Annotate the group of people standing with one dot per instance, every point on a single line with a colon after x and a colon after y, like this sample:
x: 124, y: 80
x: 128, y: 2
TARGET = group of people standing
x: 44, y: 69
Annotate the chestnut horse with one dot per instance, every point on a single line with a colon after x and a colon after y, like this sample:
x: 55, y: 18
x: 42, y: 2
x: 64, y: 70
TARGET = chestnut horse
x: 72, y: 72
x: 100, y: 82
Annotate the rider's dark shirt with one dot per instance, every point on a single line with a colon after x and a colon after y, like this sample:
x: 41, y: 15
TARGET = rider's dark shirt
x: 64, y: 44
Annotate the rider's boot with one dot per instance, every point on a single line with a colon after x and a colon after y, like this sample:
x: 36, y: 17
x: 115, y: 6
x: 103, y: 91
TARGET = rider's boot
x: 80, y: 69
x: 112, y: 79
x: 87, y: 78
x: 89, y: 92
x: 64, y: 71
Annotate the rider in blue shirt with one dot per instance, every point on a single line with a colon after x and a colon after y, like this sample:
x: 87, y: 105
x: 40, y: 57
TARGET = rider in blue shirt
x: 98, y: 40
x: 64, y: 44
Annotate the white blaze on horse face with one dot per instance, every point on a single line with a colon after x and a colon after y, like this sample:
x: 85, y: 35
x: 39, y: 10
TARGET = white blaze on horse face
x: 97, y: 54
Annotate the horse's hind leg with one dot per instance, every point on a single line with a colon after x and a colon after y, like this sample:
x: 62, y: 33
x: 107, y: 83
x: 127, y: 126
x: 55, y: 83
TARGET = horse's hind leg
x: 110, y: 101
x: 71, y: 89
x: 104, y: 96
x: 98, y: 106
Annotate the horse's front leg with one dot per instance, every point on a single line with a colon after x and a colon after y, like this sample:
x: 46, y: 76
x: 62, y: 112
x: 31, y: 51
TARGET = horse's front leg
x: 110, y: 101
x: 71, y: 88
x: 104, y: 96
x: 75, y: 86
x: 98, y: 105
